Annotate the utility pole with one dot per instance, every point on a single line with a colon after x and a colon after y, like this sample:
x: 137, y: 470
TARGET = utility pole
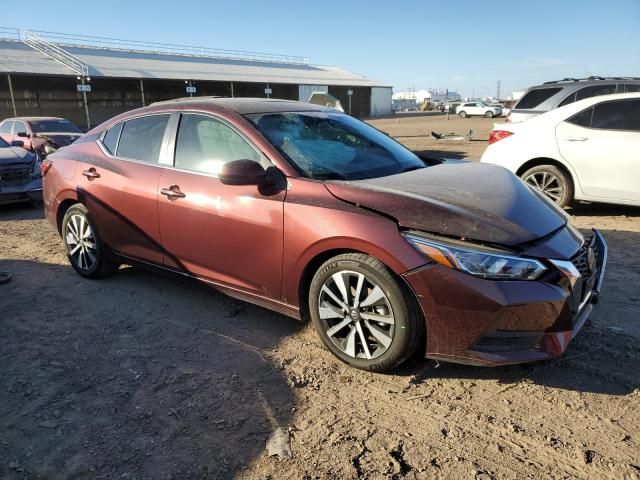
x: 498, y: 91
x: 13, y: 100
x: 142, y: 92
x: 86, y: 103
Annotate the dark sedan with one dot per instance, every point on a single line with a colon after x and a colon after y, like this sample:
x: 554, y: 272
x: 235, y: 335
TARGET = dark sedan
x: 20, y: 176
x: 315, y: 214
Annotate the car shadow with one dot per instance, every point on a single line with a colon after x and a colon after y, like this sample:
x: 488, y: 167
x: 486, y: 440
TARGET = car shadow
x: 136, y: 375
x: 602, y: 358
x: 584, y: 209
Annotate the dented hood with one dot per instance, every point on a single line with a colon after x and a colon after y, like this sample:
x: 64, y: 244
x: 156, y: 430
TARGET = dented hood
x: 471, y: 200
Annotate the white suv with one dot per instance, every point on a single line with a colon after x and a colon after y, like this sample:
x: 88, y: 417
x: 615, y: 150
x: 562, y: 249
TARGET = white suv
x: 587, y: 150
x: 478, y: 108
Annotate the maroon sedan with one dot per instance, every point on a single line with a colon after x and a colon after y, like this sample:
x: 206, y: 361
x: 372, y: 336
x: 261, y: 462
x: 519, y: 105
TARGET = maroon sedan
x: 317, y: 215
x: 40, y: 135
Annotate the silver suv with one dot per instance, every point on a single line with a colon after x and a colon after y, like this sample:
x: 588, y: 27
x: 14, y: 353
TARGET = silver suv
x: 550, y: 95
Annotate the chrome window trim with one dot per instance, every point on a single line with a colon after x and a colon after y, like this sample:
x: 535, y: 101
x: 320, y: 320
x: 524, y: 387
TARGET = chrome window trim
x: 133, y: 160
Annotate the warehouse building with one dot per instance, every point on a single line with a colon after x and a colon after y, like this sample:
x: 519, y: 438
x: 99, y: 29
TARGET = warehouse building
x: 91, y: 79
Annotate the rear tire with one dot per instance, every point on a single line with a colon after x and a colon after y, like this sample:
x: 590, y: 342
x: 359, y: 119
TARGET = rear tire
x: 462, y: 114
x: 85, y: 250
x: 552, y: 182
x: 387, y: 327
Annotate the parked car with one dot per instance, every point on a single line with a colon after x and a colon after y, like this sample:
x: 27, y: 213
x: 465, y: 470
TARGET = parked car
x: 504, y: 111
x: 555, y: 94
x: 20, y: 176
x: 468, y: 109
x: 317, y: 215
x: 40, y: 135
x: 588, y: 150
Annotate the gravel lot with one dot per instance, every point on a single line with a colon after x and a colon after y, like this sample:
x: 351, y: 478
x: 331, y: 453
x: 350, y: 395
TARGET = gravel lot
x: 144, y: 376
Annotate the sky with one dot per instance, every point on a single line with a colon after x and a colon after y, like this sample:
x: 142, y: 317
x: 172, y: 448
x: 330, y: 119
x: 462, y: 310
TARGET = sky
x: 465, y: 46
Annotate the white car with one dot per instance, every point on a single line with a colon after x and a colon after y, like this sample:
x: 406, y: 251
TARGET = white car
x: 505, y: 110
x: 588, y: 150
x: 478, y: 108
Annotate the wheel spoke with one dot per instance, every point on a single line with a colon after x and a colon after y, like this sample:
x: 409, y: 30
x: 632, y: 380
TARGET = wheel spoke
x: 75, y: 249
x: 89, y: 245
x: 91, y: 256
x: 81, y: 259
x: 363, y: 340
x: 373, y: 297
x: 333, y: 330
x: 339, y: 302
x: 356, y: 297
x: 338, y: 279
x: 379, y: 335
x: 350, y: 349
x: 388, y: 319
x: 329, y: 311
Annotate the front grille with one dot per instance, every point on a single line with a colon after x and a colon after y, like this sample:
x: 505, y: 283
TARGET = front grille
x: 15, y: 174
x: 581, y: 262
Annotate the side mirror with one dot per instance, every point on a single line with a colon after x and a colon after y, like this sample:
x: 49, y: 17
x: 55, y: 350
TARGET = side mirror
x: 242, y: 172
x: 48, y: 149
x: 17, y: 143
x: 22, y: 134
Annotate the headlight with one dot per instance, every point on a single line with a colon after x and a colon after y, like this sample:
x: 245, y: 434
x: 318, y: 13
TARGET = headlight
x: 489, y: 264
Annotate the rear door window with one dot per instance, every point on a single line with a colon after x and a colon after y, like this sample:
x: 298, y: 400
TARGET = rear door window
x: 6, y: 127
x: 141, y: 138
x: 583, y: 118
x: 617, y: 115
x: 595, y: 90
x: 535, y: 97
x: 19, y: 127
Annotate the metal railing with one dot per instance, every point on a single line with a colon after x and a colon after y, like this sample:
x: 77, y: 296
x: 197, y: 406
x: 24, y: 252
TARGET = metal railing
x: 54, y: 51
x: 7, y: 33
x: 70, y: 40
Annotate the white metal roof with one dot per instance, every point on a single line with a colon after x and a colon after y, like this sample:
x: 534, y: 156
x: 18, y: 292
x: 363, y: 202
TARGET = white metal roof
x: 16, y: 57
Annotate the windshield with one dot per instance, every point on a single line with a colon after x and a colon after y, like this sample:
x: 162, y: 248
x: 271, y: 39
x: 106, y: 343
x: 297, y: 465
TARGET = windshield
x: 3, y: 144
x: 327, y: 145
x: 53, y: 125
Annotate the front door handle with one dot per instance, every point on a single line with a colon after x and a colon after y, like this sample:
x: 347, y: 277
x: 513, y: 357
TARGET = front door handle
x: 576, y: 139
x: 91, y: 174
x: 172, y: 192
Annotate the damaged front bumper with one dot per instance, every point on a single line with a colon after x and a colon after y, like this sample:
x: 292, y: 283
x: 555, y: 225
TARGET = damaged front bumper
x: 484, y: 322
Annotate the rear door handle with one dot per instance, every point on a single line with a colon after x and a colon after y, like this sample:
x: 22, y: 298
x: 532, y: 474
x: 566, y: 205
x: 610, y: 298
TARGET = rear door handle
x: 576, y: 139
x: 91, y: 174
x: 172, y: 192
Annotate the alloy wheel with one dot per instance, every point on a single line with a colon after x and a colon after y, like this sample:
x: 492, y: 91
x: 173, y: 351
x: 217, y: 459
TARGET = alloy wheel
x: 81, y: 242
x: 547, y: 183
x: 356, y: 314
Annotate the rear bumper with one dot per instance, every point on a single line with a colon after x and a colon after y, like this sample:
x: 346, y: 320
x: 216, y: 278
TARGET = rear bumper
x: 483, y: 322
x: 28, y: 191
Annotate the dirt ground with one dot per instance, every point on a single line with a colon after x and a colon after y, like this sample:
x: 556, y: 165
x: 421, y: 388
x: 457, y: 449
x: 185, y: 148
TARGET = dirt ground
x: 141, y: 376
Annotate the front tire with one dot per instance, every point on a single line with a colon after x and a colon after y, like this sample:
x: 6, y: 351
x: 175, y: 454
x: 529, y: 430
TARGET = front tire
x: 363, y: 315
x: 85, y: 250
x: 489, y: 114
x: 551, y: 182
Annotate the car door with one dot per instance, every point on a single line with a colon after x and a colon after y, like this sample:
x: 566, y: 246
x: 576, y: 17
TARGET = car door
x: 118, y: 182
x: 229, y: 234
x: 602, y: 144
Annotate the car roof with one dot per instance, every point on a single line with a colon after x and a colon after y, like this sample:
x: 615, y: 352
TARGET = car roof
x: 245, y: 105
x: 34, y: 119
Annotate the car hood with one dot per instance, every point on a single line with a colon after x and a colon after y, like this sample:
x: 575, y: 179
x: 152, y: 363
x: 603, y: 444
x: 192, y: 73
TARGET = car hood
x: 15, y: 156
x: 60, y: 139
x: 474, y: 201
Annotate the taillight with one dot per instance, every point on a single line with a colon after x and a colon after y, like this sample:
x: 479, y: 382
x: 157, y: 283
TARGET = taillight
x: 45, y: 166
x: 497, y: 135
